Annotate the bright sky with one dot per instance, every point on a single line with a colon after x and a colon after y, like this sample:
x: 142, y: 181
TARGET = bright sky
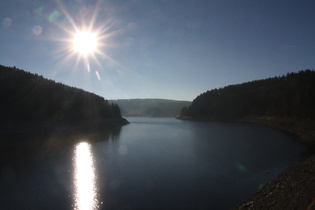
x: 172, y: 49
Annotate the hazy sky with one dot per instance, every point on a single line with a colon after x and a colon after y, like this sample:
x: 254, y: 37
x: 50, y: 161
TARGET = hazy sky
x: 173, y: 49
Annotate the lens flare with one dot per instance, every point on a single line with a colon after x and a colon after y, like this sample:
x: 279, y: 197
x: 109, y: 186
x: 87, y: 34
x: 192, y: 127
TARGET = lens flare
x: 88, y: 67
x: 240, y: 167
x: 37, y: 30
x: 54, y: 16
x: 98, y: 75
x: 7, y: 22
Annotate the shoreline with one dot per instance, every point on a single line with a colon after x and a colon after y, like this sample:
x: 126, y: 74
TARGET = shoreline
x: 303, y: 129
x: 294, y: 187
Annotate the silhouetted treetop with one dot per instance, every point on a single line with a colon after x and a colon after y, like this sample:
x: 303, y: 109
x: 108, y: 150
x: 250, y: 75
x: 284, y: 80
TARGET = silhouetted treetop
x: 292, y: 95
x: 27, y: 97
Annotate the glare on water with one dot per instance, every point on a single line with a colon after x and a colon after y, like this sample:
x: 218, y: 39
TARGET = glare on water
x: 85, y: 197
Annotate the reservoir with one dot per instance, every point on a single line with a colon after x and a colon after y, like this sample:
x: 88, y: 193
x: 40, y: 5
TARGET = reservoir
x: 152, y: 164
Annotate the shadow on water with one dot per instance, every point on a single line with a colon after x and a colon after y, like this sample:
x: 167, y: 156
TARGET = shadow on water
x: 151, y: 164
x: 21, y: 146
x: 36, y: 167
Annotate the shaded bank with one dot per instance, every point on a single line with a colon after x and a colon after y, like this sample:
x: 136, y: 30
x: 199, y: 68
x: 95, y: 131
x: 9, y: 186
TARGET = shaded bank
x: 33, y: 109
x: 294, y: 188
x: 303, y: 129
x: 290, y: 96
x: 285, y: 103
x: 30, y: 98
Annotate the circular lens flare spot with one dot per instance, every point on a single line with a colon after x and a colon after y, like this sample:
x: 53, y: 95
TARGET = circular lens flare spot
x: 85, y: 42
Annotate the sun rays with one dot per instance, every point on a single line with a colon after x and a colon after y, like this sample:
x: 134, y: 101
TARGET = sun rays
x: 86, y: 39
x: 88, y: 43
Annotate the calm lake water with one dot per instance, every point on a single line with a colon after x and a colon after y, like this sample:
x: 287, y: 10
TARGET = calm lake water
x: 153, y: 164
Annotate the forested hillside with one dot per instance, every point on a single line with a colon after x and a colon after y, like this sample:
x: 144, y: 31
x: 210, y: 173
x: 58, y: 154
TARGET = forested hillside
x: 150, y: 107
x: 292, y: 96
x: 27, y: 97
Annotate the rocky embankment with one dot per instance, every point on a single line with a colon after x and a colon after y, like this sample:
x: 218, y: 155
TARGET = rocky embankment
x: 303, y: 129
x: 294, y: 188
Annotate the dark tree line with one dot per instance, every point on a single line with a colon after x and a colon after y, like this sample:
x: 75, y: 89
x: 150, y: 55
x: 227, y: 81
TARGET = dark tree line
x: 292, y: 95
x: 27, y: 97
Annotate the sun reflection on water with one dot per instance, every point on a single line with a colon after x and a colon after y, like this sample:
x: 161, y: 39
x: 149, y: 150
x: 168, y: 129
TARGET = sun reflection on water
x: 84, y: 178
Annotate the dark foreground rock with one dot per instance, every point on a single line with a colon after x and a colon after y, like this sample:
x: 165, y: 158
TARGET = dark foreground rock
x: 294, y: 188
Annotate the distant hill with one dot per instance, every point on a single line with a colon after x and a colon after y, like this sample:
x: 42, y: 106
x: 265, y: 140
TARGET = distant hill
x: 30, y: 98
x: 150, y: 107
x: 288, y: 96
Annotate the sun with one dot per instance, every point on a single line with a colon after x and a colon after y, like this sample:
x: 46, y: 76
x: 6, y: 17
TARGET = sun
x: 85, y: 42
